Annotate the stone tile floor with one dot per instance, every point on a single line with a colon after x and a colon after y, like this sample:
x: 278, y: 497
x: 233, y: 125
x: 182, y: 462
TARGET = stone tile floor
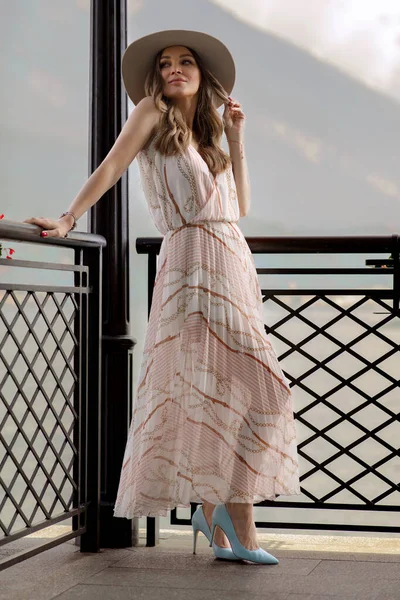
x: 311, y: 567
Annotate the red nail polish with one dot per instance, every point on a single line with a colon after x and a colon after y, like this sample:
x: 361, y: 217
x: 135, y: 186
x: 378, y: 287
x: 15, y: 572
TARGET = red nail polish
x: 44, y: 234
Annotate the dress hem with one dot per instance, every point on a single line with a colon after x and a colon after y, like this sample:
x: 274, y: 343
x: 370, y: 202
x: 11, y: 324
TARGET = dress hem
x: 163, y: 512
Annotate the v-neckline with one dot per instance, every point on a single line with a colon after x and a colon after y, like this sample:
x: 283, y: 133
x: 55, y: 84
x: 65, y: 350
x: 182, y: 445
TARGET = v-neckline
x: 202, y: 159
x: 197, y: 152
x: 213, y: 177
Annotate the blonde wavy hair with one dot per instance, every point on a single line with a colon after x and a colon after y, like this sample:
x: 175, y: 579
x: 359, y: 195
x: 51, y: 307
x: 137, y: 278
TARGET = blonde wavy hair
x: 173, y: 135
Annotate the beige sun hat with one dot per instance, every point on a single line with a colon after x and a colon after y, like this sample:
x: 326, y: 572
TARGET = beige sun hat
x: 139, y: 56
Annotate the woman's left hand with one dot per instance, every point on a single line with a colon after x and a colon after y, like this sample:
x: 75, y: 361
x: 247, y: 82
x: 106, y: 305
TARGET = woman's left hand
x: 234, y: 119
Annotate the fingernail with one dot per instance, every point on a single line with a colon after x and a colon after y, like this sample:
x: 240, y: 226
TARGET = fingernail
x: 44, y: 234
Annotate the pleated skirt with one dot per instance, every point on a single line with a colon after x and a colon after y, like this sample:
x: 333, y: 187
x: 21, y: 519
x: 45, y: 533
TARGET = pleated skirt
x: 213, y: 412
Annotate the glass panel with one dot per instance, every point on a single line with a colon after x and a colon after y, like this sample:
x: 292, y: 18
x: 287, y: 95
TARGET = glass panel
x: 44, y: 103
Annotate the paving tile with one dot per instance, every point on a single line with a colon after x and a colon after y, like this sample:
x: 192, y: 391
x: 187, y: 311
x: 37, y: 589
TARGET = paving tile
x: 249, y: 578
x: 389, y: 595
x: 375, y: 570
x: 94, y: 592
x: 164, y: 573
x: 344, y: 556
x: 187, y: 562
x: 33, y: 579
x: 263, y: 581
x: 341, y: 587
x: 162, y: 578
x: 150, y: 560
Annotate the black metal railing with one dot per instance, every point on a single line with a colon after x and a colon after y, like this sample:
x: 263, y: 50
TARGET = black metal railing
x: 50, y: 341
x: 339, y: 348
x: 50, y: 349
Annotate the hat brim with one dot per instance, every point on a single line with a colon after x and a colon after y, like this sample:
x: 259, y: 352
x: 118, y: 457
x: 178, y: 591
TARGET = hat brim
x: 139, y: 56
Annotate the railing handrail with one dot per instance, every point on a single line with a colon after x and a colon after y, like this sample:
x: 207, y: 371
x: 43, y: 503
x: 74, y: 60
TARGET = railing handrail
x: 346, y: 244
x: 25, y: 232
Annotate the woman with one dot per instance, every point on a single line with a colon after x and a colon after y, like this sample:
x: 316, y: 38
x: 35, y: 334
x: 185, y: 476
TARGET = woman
x: 213, y: 417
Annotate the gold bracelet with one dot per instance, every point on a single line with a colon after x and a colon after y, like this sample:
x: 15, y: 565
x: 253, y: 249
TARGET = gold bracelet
x: 74, y: 217
x: 241, y: 146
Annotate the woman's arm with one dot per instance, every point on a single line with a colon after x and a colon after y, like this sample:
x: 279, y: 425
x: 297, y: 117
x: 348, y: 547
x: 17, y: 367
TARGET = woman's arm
x: 137, y: 130
x: 234, y: 119
x: 240, y: 173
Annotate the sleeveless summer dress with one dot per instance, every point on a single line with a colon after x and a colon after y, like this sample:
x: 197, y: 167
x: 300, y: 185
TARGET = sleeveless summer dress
x: 213, y: 413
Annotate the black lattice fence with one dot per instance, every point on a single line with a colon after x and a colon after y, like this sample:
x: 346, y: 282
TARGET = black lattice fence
x: 344, y: 372
x: 339, y: 348
x: 49, y: 350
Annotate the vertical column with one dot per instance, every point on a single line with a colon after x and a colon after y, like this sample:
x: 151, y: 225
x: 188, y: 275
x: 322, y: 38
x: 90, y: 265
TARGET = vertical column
x: 88, y: 365
x: 109, y: 217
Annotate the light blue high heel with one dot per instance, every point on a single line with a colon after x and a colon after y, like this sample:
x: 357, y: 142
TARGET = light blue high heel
x: 199, y: 523
x: 222, y: 519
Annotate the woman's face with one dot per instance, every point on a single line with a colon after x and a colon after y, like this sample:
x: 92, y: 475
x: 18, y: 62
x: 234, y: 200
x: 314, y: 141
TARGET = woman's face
x: 180, y: 72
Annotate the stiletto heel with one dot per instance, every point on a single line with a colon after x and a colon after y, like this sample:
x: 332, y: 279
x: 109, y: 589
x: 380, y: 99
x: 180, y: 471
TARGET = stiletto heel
x: 195, y: 534
x: 212, y: 536
x: 222, y: 519
x: 199, y: 523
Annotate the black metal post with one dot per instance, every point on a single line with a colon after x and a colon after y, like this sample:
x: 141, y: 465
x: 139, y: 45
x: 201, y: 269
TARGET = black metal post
x: 90, y: 388
x: 108, y: 113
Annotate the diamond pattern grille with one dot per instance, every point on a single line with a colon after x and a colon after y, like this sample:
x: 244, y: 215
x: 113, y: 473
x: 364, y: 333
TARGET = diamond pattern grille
x: 37, y: 413
x: 340, y: 354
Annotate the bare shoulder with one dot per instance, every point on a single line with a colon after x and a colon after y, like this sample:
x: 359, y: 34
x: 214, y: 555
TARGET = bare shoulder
x: 144, y: 119
x: 148, y: 103
x: 136, y: 132
x: 147, y: 108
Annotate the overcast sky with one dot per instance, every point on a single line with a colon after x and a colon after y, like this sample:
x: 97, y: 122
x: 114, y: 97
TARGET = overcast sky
x: 360, y: 36
x: 312, y: 75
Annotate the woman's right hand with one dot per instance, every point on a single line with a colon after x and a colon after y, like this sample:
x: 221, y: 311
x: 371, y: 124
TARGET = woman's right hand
x: 52, y: 228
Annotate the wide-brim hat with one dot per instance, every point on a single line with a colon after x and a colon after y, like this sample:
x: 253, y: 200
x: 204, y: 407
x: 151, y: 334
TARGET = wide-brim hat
x: 139, y: 56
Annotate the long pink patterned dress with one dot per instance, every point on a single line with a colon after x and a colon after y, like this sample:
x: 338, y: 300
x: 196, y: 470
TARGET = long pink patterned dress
x: 213, y: 413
